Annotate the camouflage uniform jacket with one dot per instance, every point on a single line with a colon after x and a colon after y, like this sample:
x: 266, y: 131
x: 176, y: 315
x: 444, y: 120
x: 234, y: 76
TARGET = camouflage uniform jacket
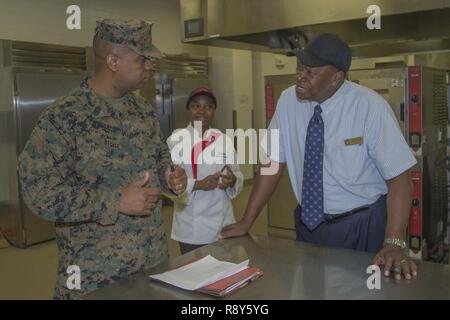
x: 82, y: 151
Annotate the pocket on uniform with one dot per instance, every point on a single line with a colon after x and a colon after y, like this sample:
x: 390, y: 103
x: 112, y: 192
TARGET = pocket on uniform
x: 347, y: 161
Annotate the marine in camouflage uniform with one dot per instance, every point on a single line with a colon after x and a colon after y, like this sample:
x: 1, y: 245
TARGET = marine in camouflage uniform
x: 84, y: 149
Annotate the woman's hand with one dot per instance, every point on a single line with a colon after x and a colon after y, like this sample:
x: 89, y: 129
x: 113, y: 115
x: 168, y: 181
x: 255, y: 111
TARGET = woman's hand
x: 228, y: 179
x: 209, y: 183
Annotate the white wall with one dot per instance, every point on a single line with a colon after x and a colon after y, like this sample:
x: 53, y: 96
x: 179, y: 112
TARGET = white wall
x: 231, y: 79
x: 45, y: 21
x: 267, y: 64
x: 221, y: 77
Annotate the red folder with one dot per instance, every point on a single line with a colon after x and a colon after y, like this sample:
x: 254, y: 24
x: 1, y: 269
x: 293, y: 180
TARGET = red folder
x: 232, y: 283
x: 228, y: 285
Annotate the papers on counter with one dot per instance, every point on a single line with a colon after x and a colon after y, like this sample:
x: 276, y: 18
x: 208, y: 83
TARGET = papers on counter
x: 211, y: 276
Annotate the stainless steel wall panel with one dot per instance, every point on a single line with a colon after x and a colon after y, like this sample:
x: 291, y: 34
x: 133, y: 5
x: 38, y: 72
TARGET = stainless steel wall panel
x: 10, y: 214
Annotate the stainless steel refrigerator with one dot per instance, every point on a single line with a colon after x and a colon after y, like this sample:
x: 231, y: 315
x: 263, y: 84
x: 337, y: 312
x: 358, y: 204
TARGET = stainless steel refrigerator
x: 24, y: 93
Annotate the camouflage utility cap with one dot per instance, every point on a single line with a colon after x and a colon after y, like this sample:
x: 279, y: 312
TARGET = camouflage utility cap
x: 133, y: 34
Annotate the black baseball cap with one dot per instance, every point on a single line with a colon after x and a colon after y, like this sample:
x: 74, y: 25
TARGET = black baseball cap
x: 202, y: 91
x: 326, y: 49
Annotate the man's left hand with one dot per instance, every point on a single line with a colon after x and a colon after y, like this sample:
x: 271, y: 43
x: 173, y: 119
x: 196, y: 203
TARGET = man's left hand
x: 176, y: 179
x: 393, y: 258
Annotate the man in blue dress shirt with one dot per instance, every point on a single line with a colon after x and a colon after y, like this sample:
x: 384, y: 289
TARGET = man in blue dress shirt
x: 347, y: 159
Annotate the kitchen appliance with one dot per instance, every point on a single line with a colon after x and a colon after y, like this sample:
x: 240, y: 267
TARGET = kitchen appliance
x: 32, y: 76
x: 24, y: 93
x: 417, y: 95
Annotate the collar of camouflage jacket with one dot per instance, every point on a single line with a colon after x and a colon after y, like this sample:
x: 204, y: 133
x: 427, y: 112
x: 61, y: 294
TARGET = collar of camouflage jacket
x: 102, y: 105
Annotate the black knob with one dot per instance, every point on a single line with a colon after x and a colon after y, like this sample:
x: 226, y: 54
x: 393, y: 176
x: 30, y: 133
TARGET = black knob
x: 415, y: 98
x: 415, y: 202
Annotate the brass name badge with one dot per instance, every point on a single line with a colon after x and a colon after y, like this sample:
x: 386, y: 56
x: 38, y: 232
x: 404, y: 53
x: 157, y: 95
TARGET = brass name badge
x: 353, y: 141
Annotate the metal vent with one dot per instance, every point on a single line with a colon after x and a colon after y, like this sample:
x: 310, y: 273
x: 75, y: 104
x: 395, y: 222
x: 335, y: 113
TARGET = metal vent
x: 184, y: 66
x: 439, y: 100
x: 18, y: 53
x: 439, y: 194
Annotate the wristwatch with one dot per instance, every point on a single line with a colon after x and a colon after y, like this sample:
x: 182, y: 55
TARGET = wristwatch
x: 395, y: 241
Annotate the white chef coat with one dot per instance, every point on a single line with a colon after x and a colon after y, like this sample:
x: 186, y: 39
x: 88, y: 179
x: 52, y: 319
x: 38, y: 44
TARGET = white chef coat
x: 199, y: 216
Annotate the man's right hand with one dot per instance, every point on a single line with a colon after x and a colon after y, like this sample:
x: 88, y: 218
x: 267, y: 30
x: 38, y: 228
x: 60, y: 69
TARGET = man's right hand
x: 235, y: 230
x: 137, y: 200
x: 262, y: 189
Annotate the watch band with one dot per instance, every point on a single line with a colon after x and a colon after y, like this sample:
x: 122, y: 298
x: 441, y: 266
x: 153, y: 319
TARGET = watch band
x: 395, y: 241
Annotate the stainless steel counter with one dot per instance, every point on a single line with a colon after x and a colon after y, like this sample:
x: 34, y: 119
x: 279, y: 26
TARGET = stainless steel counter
x: 292, y: 270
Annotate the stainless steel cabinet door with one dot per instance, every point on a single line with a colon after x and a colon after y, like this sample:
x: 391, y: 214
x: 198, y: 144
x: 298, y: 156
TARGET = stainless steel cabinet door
x: 33, y: 93
x: 36, y: 91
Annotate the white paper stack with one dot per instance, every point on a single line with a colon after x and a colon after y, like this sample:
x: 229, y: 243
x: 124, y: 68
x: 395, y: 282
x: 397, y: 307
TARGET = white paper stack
x: 200, y: 273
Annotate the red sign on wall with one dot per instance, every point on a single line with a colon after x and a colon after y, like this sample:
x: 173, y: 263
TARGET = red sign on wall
x: 270, y: 102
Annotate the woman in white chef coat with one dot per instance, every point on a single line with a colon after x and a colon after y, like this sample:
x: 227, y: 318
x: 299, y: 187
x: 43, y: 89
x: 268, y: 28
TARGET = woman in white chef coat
x: 208, y: 157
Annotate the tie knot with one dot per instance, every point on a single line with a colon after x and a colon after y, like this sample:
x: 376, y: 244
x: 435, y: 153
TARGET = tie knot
x: 317, y: 110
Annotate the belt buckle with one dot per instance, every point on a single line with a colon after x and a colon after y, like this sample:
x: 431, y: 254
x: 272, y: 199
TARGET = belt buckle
x: 332, y: 217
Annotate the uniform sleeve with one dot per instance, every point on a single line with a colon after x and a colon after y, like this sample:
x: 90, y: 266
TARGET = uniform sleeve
x: 272, y: 142
x: 178, y: 156
x: 387, y: 145
x: 51, y: 187
x: 163, y: 159
x: 237, y: 188
x: 163, y: 163
x: 186, y: 196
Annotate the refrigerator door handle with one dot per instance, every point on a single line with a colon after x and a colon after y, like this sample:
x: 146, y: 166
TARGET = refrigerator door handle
x: 159, y: 99
x: 168, y: 98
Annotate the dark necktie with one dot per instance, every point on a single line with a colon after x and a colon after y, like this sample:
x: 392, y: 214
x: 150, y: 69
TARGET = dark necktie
x: 312, y: 189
